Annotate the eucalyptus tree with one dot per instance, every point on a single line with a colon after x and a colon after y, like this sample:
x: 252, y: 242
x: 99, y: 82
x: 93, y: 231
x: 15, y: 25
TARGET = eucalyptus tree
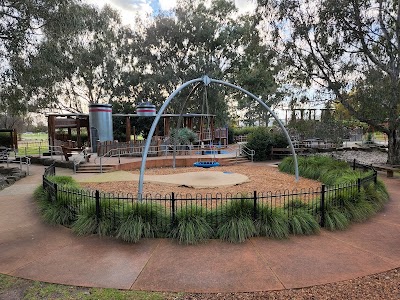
x: 350, y: 47
x: 194, y: 40
x: 83, y: 58
x: 21, y: 29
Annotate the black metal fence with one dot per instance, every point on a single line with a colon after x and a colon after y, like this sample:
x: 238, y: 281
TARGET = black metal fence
x: 163, y: 211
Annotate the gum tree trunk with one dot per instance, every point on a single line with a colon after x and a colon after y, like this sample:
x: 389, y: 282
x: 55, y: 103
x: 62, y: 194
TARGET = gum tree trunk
x: 393, y: 147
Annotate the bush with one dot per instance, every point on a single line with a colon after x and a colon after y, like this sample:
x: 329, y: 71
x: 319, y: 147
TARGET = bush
x: 335, y: 220
x: 261, y: 140
x: 300, y: 218
x: 302, y: 222
x: 244, y: 130
x: 89, y: 223
x: 138, y: 221
x: 236, y: 221
x: 191, y: 226
x: 322, y: 168
x: 272, y: 222
x: 60, y: 212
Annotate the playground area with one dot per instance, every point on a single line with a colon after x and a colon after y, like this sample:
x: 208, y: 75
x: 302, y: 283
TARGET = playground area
x: 247, y: 177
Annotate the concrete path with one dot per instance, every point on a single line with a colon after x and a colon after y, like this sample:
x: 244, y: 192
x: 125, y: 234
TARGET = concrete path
x: 31, y: 249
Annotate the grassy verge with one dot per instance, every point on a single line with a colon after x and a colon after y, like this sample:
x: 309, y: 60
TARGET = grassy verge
x: 16, y: 288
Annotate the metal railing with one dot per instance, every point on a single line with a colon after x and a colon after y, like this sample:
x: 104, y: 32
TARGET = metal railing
x: 76, y: 160
x: 162, y: 151
x: 163, y: 211
x: 5, y: 157
x: 245, y: 151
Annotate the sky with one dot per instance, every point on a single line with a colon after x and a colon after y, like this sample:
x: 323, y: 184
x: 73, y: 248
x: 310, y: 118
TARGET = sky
x: 130, y: 8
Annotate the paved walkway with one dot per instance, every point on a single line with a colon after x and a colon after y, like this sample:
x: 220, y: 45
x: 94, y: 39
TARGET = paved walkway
x: 31, y: 249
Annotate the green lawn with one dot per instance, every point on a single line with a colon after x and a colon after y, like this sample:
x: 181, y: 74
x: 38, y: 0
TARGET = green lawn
x: 16, y: 288
x: 34, y: 136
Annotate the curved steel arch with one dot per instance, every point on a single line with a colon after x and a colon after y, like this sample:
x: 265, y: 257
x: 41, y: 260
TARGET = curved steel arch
x: 206, y: 81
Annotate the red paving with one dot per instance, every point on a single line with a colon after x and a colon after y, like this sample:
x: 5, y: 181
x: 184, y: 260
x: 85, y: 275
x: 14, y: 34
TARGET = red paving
x: 33, y: 250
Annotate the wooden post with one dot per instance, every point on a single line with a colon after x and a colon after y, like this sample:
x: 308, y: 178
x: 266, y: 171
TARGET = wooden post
x: 128, y: 128
x: 69, y: 131
x: 88, y: 131
x: 78, y: 132
x: 15, y: 138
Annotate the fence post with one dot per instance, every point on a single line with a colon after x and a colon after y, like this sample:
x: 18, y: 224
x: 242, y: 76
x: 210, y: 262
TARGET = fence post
x: 359, y: 184
x: 322, y: 206
x: 354, y: 164
x: 173, y: 209
x: 375, y: 176
x: 97, y: 195
x: 55, y: 192
x: 254, y: 205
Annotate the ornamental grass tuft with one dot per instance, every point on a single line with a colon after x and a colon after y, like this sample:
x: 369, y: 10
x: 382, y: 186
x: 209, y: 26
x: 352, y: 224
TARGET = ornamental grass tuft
x: 272, y: 222
x: 139, y: 220
x: 191, y: 226
x: 237, y: 220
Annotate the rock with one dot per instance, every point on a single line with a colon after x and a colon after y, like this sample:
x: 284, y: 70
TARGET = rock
x: 10, y: 180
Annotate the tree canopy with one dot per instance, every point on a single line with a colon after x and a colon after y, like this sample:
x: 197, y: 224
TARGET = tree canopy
x: 349, y: 47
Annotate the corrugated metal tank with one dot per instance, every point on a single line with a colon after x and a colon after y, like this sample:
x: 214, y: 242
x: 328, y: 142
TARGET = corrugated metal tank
x: 100, y: 121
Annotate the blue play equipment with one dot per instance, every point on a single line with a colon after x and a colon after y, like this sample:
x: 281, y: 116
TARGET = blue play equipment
x: 206, y: 164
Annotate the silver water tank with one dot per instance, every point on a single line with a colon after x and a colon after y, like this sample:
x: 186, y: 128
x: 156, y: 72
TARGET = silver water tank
x: 146, y: 109
x: 100, y: 122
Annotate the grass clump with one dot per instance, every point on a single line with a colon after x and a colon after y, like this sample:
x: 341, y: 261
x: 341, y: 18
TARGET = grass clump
x: 59, y: 210
x: 237, y: 223
x: 272, y: 222
x: 191, y: 226
x: 336, y: 220
x: 138, y: 221
x: 88, y: 222
x: 322, y: 168
x: 300, y: 220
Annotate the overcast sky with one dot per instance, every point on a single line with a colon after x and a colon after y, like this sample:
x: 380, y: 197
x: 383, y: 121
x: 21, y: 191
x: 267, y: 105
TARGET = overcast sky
x: 129, y: 8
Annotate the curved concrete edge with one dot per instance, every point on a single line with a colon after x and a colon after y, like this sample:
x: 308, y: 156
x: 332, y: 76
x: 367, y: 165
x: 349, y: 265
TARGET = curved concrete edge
x: 33, y: 250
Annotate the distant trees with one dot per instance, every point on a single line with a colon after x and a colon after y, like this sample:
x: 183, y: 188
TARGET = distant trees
x: 21, y: 25
x: 197, y: 40
x: 84, y: 59
x: 348, y: 47
x: 79, y: 54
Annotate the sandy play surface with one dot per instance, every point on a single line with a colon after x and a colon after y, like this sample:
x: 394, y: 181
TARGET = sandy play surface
x: 204, y: 179
x: 261, y: 178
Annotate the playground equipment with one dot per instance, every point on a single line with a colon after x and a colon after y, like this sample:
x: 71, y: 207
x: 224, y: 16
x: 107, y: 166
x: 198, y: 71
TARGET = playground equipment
x: 207, y: 163
x: 207, y: 80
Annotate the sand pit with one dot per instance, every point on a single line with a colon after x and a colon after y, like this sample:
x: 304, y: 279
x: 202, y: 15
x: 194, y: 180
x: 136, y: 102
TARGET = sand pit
x: 197, y: 180
x: 261, y: 177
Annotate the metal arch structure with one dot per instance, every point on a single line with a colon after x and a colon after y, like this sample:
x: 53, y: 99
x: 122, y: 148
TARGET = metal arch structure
x: 206, y: 80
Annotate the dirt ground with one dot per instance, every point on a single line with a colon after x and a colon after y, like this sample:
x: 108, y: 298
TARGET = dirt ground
x: 262, y: 178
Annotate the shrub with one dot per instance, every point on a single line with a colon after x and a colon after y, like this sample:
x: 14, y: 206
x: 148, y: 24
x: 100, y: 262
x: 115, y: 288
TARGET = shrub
x: 335, y: 220
x: 376, y: 194
x: 65, y: 181
x: 191, y: 226
x: 244, y: 130
x: 59, y: 212
x: 300, y: 220
x: 356, y: 207
x: 272, y: 222
x: 138, y: 220
x: 236, y: 221
x: 261, y: 140
x: 88, y: 222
